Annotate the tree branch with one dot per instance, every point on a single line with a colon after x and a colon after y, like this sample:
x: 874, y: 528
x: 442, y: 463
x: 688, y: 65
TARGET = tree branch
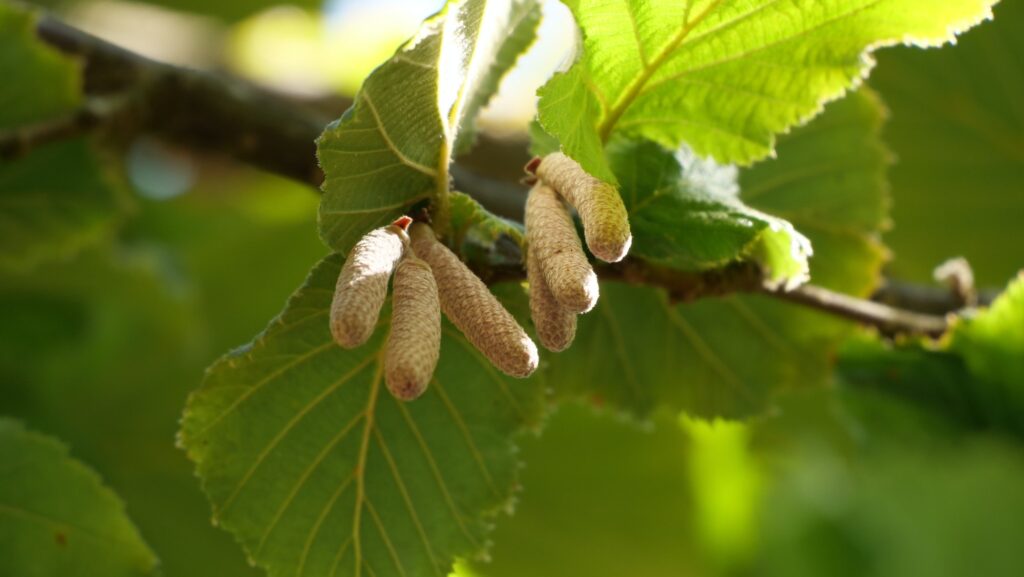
x: 216, y: 113
x: 889, y: 320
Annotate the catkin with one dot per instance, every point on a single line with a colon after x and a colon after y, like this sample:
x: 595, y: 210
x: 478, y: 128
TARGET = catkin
x: 414, y: 343
x: 556, y: 248
x: 605, y: 220
x: 472, y: 308
x: 556, y: 325
x: 363, y: 285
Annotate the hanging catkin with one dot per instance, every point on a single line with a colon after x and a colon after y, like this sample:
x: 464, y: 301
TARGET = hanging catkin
x: 556, y: 325
x: 472, y: 308
x: 556, y: 248
x: 605, y: 220
x: 414, y: 343
x: 363, y: 285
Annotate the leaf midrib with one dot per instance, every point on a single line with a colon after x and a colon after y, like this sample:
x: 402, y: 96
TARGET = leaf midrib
x: 364, y: 450
x: 637, y: 84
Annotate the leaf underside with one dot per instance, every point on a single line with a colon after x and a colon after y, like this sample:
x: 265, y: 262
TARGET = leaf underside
x: 392, y: 149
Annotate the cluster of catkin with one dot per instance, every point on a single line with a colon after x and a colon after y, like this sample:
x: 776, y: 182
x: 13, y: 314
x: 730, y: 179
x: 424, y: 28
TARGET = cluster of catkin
x: 562, y: 282
x: 428, y: 278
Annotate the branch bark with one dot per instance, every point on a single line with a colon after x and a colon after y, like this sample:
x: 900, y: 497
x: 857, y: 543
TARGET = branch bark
x: 219, y: 114
x: 889, y: 320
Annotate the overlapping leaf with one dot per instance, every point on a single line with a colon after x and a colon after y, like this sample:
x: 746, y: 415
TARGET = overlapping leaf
x: 57, y: 199
x: 686, y: 214
x: 724, y: 76
x: 319, y: 471
x: 958, y: 130
x: 637, y: 350
x: 392, y: 149
x: 56, y: 518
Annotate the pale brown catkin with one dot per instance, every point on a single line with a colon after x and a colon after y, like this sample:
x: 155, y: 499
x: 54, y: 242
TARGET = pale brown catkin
x: 556, y: 325
x: 555, y: 246
x: 472, y: 308
x: 363, y: 285
x: 605, y: 220
x: 414, y: 343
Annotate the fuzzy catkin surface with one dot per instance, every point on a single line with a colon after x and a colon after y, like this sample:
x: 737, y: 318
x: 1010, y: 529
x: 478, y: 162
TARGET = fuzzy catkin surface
x: 605, y: 220
x: 471, y: 307
x: 363, y: 285
x: 414, y: 344
x: 556, y: 325
x: 556, y: 247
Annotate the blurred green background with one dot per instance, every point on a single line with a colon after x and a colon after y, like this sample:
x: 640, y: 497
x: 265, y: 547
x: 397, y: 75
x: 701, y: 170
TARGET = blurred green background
x: 101, y: 350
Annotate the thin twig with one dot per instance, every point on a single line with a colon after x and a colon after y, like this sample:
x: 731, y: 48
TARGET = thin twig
x: 886, y: 318
x: 98, y: 113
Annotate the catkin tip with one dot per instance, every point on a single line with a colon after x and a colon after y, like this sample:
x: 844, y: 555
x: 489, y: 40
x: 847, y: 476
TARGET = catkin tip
x: 555, y: 246
x: 613, y: 250
x: 471, y: 307
x: 604, y: 216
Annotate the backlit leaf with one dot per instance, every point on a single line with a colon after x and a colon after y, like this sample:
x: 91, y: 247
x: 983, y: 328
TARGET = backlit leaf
x: 724, y: 76
x: 393, y: 148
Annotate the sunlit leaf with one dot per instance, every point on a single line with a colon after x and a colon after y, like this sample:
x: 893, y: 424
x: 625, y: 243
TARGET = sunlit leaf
x: 318, y: 470
x: 393, y: 148
x: 724, y: 76
x: 56, y: 517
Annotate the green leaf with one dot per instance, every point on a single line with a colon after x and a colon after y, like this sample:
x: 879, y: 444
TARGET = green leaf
x: 686, y: 214
x: 103, y: 349
x: 958, y: 130
x: 974, y: 379
x: 522, y: 32
x: 481, y: 236
x: 55, y: 202
x: 319, y: 471
x: 56, y: 518
x: 58, y: 199
x: 992, y: 343
x: 829, y: 181
x: 393, y: 148
x: 724, y: 76
x: 725, y: 357
x: 40, y: 82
